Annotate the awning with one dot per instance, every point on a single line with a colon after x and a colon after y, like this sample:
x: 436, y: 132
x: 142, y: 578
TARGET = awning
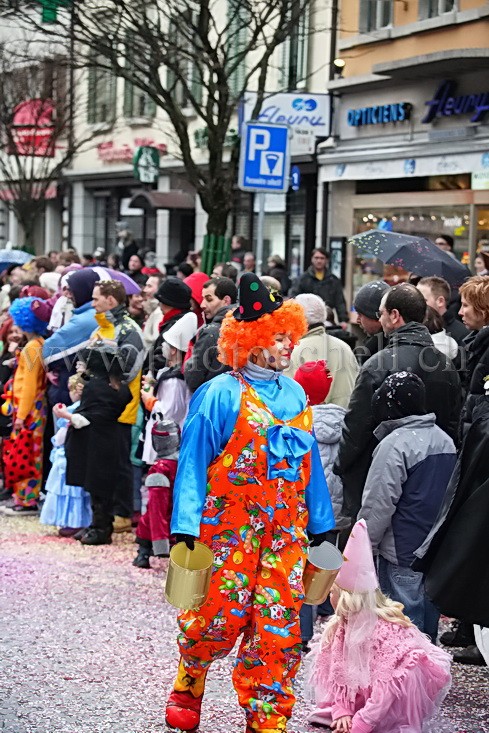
x: 162, y: 200
x: 402, y: 167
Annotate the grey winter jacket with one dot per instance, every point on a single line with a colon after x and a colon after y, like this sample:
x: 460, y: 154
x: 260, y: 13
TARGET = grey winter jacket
x: 410, y: 348
x: 406, y: 484
x: 328, y: 424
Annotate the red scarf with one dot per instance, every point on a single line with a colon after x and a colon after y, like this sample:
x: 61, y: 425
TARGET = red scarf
x: 169, y: 314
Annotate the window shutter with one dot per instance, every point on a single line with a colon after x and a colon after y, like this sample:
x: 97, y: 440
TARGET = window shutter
x: 423, y: 9
x: 285, y: 64
x: 149, y: 106
x: 111, y: 81
x: 237, y: 40
x: 91, y: 95
x: 128, y: 98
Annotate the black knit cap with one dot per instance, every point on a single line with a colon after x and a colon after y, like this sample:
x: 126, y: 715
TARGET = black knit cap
x: 254, y: 299
x: 175, y: 293
x: 401, y: 394
x: 367, y: 300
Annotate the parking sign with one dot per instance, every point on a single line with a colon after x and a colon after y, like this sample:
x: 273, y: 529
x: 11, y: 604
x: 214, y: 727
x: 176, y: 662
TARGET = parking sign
x: 264, y: 158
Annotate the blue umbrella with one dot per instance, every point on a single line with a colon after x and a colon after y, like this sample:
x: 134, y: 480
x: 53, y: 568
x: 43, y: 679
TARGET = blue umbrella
x: 10, y: 257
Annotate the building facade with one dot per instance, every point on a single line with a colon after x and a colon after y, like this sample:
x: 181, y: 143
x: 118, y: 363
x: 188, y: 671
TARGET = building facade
x: 410, y: 149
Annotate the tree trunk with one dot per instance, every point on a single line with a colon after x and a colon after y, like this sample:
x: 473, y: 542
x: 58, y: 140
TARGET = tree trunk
x: 217, y: 221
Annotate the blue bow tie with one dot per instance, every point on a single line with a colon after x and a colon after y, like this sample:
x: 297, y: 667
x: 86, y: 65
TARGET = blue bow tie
x: 291, y: 444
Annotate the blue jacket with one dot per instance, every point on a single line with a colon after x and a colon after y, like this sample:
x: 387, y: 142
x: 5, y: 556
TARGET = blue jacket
x: 60, y: 350
x: 406, y: 484
x: 210, y: 422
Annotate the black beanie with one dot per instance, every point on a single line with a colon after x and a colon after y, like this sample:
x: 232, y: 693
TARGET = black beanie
x: 367, y: 300
x: 81, y: 284
x: 255, y: 299
x: 400, y: 394
x: 175, y: 293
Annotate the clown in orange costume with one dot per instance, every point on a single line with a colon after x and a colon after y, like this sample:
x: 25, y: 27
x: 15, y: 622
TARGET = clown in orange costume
x: 250, y: 485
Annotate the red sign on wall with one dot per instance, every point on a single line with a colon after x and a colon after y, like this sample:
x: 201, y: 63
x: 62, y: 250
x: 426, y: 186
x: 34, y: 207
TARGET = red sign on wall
x: 32, y: 128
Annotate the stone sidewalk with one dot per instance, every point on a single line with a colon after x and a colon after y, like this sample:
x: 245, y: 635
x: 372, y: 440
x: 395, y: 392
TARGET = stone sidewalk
x: 87, y: 645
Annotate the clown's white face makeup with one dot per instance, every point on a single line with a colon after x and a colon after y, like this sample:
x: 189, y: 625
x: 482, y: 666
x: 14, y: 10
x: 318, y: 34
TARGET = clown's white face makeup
x: 277, y: 356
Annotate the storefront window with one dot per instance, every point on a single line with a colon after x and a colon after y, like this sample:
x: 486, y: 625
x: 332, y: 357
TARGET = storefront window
x: 274, y: 226
x: 423, y: 222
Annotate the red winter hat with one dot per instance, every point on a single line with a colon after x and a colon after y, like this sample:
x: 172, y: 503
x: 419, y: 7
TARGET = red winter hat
x: 315, y: 379
x: 34, y: 291
x: 196, y: 282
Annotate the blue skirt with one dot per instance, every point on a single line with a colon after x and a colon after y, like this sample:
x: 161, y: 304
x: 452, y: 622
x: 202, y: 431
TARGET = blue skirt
x: 65, y: 505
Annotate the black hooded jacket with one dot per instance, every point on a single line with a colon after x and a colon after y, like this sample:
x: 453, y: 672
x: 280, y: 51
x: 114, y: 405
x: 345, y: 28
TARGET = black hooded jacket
x: 454, y: 555
x: 477, y: 345
x: 329, y: 289
x: 203, y: 365
x: 410, y: 348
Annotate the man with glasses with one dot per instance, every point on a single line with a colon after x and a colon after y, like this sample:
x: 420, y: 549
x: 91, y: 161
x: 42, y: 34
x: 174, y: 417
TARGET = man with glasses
x: 409, y: 348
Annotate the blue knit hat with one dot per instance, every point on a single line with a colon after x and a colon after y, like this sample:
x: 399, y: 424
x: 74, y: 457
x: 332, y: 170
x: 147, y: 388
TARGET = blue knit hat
x: 24, y: 318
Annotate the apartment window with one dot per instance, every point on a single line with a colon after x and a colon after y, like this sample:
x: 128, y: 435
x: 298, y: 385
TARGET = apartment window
x: 295, y: 55
x: 238, y: 20
x: 101, y: 96
x: 375, y: 14
x: 137, y: 103
x: 183, y: 78
x: 434, y: 8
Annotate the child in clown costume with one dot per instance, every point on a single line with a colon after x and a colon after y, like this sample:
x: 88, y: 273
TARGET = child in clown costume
x: 374, y: 671
x: 249, y: 485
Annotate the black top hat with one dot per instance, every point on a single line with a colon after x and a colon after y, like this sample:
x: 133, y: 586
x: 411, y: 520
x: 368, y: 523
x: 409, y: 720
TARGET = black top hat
x: 254, y: 298
x: 175, y: 293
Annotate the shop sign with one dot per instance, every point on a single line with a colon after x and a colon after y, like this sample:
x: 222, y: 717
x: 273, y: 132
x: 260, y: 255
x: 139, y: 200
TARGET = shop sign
x: 32, y: 129
x: 308, y: 116
x: 36, y: 192
x: 480, y: 181
x: 445, y: 103
x: 378, y: 115
x: 109, y: 152
x: 147, y: 164
x: 439, y: 165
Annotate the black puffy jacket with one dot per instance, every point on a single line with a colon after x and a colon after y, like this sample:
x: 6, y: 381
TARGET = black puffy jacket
x: 410, y: 348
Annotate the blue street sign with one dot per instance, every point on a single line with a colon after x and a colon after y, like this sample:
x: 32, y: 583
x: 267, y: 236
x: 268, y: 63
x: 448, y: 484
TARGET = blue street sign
x: 264, y: 158
x: 295, y: 178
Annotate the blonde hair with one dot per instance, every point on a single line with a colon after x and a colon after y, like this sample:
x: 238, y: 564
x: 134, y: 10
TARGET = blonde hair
x: 75, y: 382
x: 476, y: 292
x: 352, y: 603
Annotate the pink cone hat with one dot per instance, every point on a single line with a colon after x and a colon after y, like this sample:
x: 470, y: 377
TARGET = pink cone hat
x: 357, y: 573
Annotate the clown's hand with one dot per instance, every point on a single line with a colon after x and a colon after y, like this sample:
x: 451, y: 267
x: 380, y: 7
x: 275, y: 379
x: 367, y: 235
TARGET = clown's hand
x: 188, y: 539
x: 317, y: 539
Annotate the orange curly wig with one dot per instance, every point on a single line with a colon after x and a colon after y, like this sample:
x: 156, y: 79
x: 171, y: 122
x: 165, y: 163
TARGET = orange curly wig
x: 238, y: 338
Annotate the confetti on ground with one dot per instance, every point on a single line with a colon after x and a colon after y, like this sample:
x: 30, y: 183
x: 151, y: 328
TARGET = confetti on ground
x: 88, y: 645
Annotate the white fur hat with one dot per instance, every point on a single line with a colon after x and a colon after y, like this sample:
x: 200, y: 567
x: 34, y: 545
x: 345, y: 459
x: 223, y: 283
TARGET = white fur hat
x: 50, y: 280
x: 314, y: 307
x: 182, y: 332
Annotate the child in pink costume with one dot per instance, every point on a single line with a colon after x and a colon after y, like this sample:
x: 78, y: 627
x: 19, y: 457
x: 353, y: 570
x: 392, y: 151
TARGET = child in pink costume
x: 373, y: 671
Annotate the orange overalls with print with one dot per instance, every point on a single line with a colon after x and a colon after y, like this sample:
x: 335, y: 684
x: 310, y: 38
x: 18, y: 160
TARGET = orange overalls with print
x: 256, y: 526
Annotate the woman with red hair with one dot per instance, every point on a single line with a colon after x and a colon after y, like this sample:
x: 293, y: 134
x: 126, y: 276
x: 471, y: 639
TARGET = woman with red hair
x: 249, y: 485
